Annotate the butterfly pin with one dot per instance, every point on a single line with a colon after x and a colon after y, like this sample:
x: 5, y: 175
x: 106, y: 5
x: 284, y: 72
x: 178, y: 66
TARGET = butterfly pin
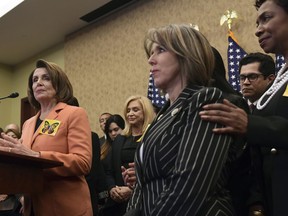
x: 50, y: 127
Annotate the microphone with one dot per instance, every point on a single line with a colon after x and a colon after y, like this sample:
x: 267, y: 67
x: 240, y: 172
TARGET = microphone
x: 13, y: 95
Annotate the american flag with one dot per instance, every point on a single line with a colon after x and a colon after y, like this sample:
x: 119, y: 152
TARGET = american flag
x: 235, y: 54
x: 154, y: 93
x: 279, y: 63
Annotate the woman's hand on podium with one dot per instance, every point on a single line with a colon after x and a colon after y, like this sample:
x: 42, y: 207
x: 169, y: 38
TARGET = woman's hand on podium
x: 13, y: 145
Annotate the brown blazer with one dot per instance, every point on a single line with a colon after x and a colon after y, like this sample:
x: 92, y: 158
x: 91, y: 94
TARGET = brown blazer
x: 65, y: 188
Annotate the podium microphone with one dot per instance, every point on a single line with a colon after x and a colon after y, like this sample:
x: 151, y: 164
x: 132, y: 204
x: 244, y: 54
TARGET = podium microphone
x: 13, y: 95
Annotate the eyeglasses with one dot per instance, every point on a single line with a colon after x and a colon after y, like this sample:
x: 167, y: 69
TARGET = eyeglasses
x: 251, y: 77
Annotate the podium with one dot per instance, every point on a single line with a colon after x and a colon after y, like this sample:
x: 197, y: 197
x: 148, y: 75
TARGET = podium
x: 22, y: 174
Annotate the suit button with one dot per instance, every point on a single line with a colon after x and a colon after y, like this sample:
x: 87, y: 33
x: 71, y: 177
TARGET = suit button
x: 273, y: 150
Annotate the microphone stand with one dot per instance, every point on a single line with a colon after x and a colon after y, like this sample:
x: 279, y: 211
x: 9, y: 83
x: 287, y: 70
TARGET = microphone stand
x: 13, y: 95
x: 4, y: 97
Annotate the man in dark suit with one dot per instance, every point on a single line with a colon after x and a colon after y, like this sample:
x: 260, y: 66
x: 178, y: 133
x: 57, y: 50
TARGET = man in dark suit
x: 92, y: 177
x: 102, y: 121
x: 257, y: 73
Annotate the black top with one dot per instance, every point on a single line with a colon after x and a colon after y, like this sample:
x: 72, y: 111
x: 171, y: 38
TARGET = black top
x: 128, y: 150
x: 38, y: 123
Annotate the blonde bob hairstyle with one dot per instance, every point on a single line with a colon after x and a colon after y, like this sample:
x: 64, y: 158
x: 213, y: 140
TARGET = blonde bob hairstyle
x: 192, y: 49
x: 148, y: 113
x: 59, y: 80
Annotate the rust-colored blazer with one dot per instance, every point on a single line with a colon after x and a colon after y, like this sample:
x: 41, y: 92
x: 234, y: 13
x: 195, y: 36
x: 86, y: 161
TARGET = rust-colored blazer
x: 65, y: 188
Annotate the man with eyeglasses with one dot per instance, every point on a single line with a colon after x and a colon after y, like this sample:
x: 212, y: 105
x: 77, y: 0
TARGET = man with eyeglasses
x: 257, y: 72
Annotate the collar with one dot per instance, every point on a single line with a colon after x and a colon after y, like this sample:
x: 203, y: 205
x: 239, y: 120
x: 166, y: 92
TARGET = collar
x: 249, y: 102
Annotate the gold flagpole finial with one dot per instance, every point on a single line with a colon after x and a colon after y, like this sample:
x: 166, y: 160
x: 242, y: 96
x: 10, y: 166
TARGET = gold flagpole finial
x: 229, y: 16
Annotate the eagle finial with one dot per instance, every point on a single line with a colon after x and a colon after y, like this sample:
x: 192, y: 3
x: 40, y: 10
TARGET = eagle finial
x: 228, y: 16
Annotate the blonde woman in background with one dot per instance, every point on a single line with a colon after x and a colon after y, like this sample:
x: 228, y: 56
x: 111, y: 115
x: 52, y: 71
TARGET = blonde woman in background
x: 138, y: 113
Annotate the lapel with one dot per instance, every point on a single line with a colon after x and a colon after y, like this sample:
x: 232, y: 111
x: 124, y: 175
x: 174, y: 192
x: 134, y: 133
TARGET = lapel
x: 167, y: 115
x: 52, y: 115
x: 276, y: 105
x: 30, y: 132
x: 116, y: 149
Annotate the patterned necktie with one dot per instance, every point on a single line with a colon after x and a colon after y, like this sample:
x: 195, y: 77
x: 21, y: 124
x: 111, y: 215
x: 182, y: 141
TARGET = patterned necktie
x: 252, y: 107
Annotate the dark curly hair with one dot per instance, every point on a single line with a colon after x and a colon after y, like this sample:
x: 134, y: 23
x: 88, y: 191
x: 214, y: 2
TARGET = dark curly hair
x: 117, y: 119
x: 266, y: 63
x: 281, y: 3
x: 106, y: 147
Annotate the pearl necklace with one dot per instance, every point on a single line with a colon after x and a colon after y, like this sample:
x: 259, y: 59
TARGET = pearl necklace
x: 280, y: 80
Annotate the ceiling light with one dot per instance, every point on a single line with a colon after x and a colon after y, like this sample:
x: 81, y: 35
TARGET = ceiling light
x: 8, y: 5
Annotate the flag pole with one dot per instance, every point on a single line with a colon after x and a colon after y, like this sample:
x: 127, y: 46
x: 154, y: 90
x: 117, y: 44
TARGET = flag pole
x: 234, y: 52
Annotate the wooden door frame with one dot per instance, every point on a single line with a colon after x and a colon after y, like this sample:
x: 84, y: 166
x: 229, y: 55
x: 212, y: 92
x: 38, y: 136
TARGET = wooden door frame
x: 27, y: 111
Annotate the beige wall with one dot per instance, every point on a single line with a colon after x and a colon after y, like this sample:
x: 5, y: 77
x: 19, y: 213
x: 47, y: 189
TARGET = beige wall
x: 16, y: 80
x: 5, y: 90
x: 106, y: 62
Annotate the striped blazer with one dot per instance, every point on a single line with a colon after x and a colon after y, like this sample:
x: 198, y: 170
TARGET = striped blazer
x: 183, y: 167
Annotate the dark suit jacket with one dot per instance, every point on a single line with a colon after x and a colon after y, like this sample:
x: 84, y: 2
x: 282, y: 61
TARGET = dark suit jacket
x: 102, y: 140
x: 114, y: 176
x: 185, y: 167
x: 271, y: 134
x: 240, y: 181
x: 92, y: 177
